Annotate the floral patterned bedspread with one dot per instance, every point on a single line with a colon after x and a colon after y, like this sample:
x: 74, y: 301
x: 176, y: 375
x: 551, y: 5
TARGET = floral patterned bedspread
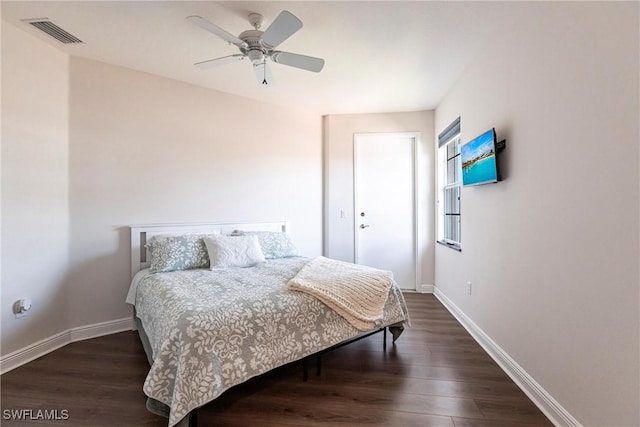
x: 210, y: 330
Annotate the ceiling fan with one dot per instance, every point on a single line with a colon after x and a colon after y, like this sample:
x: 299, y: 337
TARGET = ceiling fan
x: 258, y: 45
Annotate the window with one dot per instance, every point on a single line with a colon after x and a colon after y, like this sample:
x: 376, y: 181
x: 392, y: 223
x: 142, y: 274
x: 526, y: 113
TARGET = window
x: 449, y: 184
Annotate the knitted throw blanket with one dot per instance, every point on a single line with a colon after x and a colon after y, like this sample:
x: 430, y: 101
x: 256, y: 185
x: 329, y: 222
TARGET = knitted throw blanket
x: 355, y: 292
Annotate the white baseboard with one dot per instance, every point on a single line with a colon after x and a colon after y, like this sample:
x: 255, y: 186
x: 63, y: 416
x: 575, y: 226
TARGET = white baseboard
x: 425, y: 289
x: 538, y: 395
x: 24, y: 355
x: 100, y: 329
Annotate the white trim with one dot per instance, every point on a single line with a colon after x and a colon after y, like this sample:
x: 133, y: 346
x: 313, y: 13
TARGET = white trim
x: 426, y: 289
x: 24, y: 355
x: 558, y: 415
x: 326, y: 186
x: 45, y: 346
x: 100, y: 329
x: 416, y: 140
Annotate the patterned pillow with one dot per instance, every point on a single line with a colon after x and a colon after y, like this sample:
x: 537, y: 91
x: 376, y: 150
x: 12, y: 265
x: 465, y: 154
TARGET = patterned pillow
x: 274, y: 244
x: 183, y: 252
x: 233, y: 251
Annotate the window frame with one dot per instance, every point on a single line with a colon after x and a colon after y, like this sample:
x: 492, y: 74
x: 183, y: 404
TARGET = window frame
x: 447, y: 236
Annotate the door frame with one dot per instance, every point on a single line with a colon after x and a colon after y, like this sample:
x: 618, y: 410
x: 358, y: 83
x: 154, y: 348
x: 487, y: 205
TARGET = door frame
x: 416, y: 140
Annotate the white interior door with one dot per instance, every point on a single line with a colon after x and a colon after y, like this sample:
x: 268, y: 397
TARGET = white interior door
x: 385, y: 207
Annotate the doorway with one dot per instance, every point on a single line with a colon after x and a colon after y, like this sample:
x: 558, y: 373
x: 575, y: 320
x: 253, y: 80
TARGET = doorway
x: 385, y: 204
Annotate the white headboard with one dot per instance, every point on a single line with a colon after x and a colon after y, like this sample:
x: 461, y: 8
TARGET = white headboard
x: 141, y: 234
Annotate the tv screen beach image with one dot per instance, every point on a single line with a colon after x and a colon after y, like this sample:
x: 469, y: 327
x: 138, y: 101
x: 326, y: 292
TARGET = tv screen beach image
x: 479, y: 160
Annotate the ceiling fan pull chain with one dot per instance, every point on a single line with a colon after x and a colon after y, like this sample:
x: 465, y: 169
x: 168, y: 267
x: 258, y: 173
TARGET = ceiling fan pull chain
x: 264, y: 70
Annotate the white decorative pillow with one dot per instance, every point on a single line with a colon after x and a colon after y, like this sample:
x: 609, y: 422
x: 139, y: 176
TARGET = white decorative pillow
x: 233, y: 251
x: 274, y: 244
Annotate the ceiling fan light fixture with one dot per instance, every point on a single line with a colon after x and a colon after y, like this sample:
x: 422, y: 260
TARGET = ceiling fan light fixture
x: 256, y: 56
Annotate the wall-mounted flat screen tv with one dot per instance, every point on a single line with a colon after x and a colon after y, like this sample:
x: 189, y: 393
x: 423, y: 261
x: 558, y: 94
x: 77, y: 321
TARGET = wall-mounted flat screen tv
x: 479, y: 160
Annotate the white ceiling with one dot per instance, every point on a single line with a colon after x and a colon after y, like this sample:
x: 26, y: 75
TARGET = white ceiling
x: 380, y: 56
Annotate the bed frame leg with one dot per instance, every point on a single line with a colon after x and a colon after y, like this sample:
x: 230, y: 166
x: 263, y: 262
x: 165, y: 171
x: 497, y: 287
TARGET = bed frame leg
x: 193, y: 418
x: 305, y: 370
x: 318, y: 364
x: 304, y: 361
x: 384, y: 339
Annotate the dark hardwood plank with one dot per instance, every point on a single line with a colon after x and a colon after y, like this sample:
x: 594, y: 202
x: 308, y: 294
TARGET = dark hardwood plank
x: 435, y: 375
x: 512, y: 410
x: 98, y: 381
x: 470, y: 422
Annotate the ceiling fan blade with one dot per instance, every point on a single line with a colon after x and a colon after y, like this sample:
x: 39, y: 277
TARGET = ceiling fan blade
x: 212, y: 28
x: 304, y: 62
x: 281, y: 29
x: 219, y: 61
x: 263, y: 73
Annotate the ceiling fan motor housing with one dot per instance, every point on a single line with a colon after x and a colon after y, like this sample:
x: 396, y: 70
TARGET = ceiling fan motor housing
x: 255, y: 49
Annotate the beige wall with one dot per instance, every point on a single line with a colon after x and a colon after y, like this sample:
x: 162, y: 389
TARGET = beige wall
x: 339, y: 132
x: 145, y: 149
x: 35, y: 187
x: 89, y: 149
x: 552, y: 251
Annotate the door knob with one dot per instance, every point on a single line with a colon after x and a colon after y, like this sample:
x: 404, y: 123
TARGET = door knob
x: 364, y: 225
x: 361, y: 213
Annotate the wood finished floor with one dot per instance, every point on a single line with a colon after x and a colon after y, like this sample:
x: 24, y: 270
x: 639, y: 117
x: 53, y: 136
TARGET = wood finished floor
x: 435, y: 375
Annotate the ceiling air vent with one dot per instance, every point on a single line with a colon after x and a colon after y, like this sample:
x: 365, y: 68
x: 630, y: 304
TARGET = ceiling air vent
x: 54, y: 31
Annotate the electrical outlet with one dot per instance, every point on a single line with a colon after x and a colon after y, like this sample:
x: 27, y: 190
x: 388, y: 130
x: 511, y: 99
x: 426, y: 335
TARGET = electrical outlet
x: 21, y: 307
x: 469, y: 288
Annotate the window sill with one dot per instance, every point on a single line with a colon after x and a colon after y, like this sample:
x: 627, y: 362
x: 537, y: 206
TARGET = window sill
x: 454, y: 246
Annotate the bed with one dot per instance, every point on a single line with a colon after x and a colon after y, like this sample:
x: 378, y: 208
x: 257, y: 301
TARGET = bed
x: 205, y: 329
